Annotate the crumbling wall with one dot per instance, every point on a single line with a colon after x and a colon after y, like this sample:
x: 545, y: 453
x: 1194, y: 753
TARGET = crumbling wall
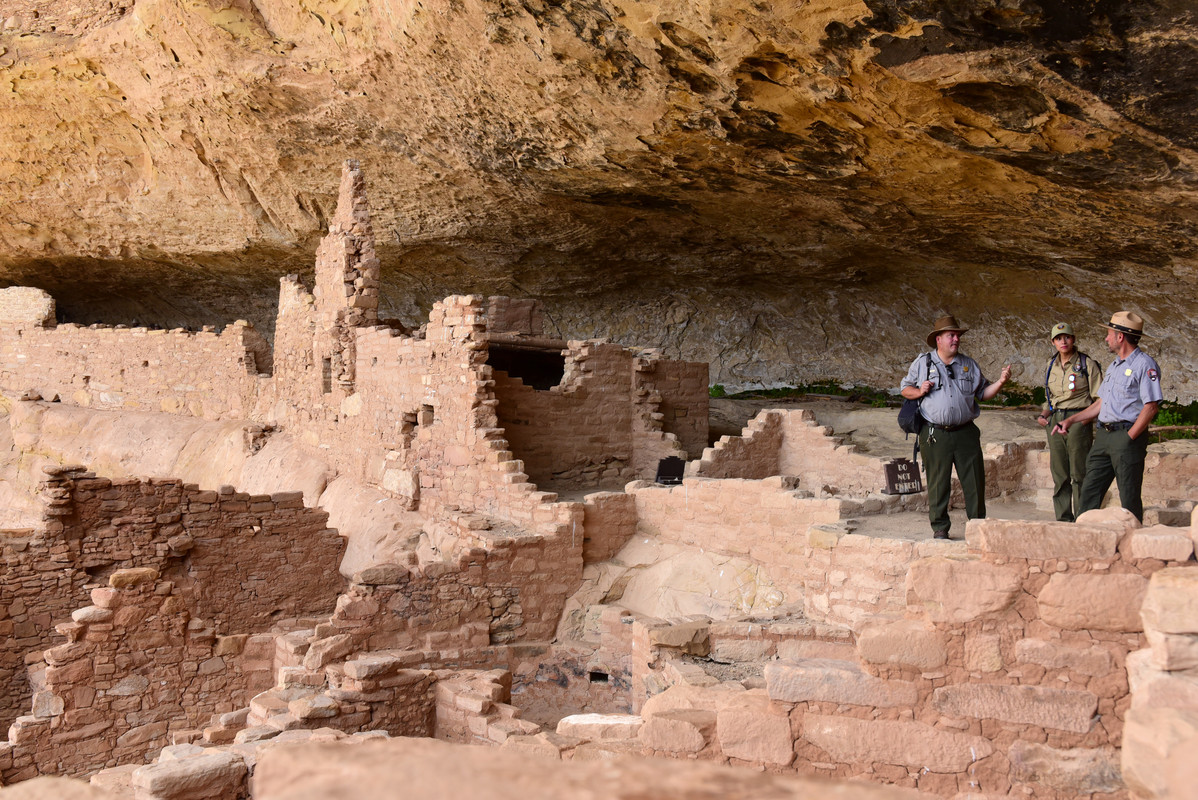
x: 514, y: 589
x: 136, y: 668
x: 682, y: 386
x: 1160, y: 733
x: 790, y: 443
x: 224, y: 550
x: 614, y: 415
x: 609, y: 521
x: 753, y: 455
x: 818, y: 459
x: 579, y: 432
x: 850, y: 578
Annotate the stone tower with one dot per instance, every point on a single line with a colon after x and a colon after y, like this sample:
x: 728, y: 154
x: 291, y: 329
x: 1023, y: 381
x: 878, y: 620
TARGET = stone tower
x: 347, y: 281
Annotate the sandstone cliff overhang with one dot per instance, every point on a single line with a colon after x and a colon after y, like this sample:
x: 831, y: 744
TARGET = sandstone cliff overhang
x: 788, y: 191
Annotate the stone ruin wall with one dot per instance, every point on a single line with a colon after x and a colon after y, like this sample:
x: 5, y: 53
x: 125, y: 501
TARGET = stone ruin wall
x: 512, y: 591
x: 1006, y: 669
x: 137, y: 669
x: 791, y: 443
x: 1160, y: 733
x: 202, y: 374
x: 224, y: 552
x: 603, y: 425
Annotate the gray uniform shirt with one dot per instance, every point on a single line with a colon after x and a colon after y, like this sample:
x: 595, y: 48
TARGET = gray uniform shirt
x: 955, y: 389
x: 1129, y: 384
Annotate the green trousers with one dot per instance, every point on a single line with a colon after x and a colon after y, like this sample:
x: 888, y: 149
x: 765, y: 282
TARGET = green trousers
x: 1115, y: 456
x: 942, y: 450
x: 1067, y: 461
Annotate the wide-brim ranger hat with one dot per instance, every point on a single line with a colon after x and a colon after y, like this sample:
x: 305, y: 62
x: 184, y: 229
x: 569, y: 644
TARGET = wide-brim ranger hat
x: 1127, y: 322
x: 1060, y: 329
x: 944, y: 324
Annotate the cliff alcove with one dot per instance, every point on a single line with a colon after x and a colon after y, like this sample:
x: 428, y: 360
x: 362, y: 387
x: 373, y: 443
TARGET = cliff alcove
x: 787, y: 190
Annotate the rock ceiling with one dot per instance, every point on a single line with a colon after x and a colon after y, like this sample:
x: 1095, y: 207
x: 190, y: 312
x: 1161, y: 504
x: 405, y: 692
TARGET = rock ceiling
x: 789, y: 189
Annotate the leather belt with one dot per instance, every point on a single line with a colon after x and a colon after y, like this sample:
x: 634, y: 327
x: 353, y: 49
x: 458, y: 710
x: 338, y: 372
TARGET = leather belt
x: 1115, y: 426
x: 1067, y: 412
x: 949, y: 428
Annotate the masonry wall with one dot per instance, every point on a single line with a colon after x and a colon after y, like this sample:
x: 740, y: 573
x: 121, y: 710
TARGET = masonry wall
x: 224, y: 550
x: 791, y: 443
x: 1160, y: 733
x: 684, y: 404
x: 1005, y: 673
x: 511, y: 590
x: 764, y: 521
x: 204, y: 374
x: 579, y: 432
x: 136, y: 669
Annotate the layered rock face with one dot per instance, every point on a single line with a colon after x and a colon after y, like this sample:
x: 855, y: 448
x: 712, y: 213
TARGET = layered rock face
x: 789, y: 190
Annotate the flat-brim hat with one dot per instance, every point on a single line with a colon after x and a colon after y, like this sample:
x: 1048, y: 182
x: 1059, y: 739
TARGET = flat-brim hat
x: 943, y: 325
x: 1127, y: 322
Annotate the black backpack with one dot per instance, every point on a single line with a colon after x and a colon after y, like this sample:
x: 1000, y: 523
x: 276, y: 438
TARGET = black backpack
x: 909, y: 418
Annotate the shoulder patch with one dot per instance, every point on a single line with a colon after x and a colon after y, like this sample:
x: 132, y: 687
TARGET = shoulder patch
x: 1152, y: 376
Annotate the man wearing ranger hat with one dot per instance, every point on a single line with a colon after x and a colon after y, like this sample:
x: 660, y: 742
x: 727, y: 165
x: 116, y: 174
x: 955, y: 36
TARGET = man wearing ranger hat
x: 1128, y: 399
x: 948, y: 386
x: 1071, y: 382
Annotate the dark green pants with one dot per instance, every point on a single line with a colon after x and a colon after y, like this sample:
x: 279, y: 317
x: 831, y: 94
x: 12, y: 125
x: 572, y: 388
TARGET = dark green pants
x: 942, y: 450
x: 1067, y: 461
x: 1115, y: 456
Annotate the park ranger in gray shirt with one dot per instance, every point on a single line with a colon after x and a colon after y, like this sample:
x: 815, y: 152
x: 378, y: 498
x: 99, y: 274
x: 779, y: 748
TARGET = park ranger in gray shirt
x: 1128, y: 400
x: 949, y: 386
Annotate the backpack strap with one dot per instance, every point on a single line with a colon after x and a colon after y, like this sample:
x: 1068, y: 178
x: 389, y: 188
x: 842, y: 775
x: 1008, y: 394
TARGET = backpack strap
x: 927, y: 376
x: 1047, y: 375
x: 1083, y: 363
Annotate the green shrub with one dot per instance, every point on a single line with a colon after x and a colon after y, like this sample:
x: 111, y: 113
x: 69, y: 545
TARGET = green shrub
x: 717, y: 391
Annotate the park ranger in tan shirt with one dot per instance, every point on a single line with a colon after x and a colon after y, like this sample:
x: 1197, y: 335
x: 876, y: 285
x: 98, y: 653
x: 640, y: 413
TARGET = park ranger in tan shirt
x: 1071, y: 383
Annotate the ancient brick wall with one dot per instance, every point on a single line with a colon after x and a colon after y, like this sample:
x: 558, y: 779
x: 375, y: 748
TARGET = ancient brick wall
x: 818, y: 459
x: 205, y: 374
x: 753, y: 455
x: 579, y: 432
x: 1160, y: 733
x: 850, y: 578
x: 611, y: 419
x: 682, y: 387
x: 136, y: 668
x: 1005, y: 673
x: 791, y: 443
x: 225, y: 551
x: 609, y: 521
x: 512, y: 590
x: 764, y: 521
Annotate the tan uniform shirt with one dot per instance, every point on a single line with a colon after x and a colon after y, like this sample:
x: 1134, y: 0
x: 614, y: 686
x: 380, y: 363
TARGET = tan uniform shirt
x: 1068, y: 388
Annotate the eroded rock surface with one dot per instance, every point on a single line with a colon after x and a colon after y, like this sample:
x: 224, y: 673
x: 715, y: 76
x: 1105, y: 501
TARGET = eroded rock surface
x: 787, y: 190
